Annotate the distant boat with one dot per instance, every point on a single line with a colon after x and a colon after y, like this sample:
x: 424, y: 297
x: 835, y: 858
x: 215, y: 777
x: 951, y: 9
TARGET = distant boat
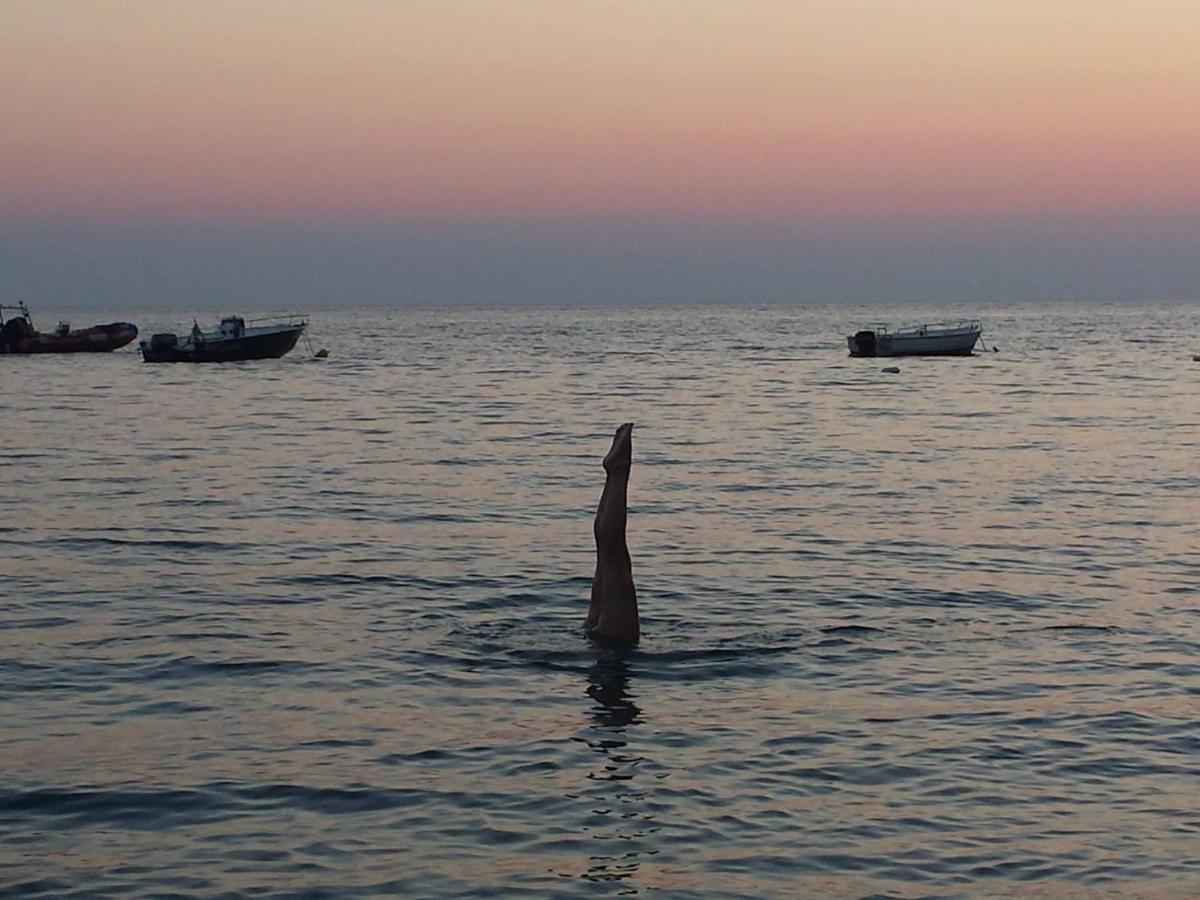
x: 17, y: 335
x: 235, y: 339
x: 934, y: 339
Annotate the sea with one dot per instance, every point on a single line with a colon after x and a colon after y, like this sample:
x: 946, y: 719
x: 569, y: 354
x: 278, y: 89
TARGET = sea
x: 311, y: 627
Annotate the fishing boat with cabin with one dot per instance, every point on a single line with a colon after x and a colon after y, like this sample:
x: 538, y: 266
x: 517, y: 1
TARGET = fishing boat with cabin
x: 235, y: 339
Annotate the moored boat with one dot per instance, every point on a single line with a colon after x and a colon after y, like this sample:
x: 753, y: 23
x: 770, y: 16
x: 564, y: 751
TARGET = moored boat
x: 17, y: 335
x: 934, y: 339
x: 235, y: 339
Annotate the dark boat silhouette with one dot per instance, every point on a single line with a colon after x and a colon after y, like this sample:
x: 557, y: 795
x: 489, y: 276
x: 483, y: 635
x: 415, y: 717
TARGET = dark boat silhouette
x: 235, y: 339
x: 17, y: 335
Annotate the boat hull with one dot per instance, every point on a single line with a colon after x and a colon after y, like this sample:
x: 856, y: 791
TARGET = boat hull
x: 870, y: 344
x: 257, y: 346
x: 97, y: 339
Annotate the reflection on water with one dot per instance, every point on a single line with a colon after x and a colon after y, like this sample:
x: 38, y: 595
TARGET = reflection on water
x: 608, y: 685
x: 618, y: 822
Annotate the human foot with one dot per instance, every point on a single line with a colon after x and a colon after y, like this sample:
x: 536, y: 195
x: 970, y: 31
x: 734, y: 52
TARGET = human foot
x: 620, y: 456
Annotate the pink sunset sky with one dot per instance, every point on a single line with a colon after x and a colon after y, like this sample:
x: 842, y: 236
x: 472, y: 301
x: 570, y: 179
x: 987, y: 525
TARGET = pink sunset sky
x: 841, y: 115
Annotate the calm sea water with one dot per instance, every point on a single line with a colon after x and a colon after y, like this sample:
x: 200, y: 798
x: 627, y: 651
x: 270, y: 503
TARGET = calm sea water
x: 313, y: 626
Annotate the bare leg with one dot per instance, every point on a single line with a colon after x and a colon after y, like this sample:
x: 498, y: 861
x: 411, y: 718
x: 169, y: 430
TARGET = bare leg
x: 613, y: 613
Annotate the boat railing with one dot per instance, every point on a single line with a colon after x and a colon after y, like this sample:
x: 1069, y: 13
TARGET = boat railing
x: 15, y: 307
x: 279, y: 319
x: 949, y: 325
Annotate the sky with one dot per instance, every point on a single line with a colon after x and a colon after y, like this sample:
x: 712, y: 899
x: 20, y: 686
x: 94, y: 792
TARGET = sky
x: 444, y: 151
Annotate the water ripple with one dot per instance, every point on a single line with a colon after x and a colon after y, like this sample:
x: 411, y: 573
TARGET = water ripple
x: 314, y: 627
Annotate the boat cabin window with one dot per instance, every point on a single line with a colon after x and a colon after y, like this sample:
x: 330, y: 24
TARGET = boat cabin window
x: 233, y: 327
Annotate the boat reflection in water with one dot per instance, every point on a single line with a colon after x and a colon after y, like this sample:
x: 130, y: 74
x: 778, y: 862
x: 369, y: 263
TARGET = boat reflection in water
x: 934, y: 339
x: 235, y: 339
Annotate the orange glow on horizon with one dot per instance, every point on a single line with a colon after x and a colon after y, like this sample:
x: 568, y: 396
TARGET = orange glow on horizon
x: 772, y: 108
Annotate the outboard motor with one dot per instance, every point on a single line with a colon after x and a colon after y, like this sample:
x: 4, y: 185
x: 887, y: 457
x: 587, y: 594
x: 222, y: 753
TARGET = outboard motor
x: 13, y: 332
x: 865, y: 342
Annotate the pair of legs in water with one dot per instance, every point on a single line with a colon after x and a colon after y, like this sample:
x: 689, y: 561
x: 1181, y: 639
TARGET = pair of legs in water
x: 613, y: 613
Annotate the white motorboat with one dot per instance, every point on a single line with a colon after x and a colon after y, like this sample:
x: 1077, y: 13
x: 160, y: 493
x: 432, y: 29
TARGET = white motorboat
x: 933, y: 339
